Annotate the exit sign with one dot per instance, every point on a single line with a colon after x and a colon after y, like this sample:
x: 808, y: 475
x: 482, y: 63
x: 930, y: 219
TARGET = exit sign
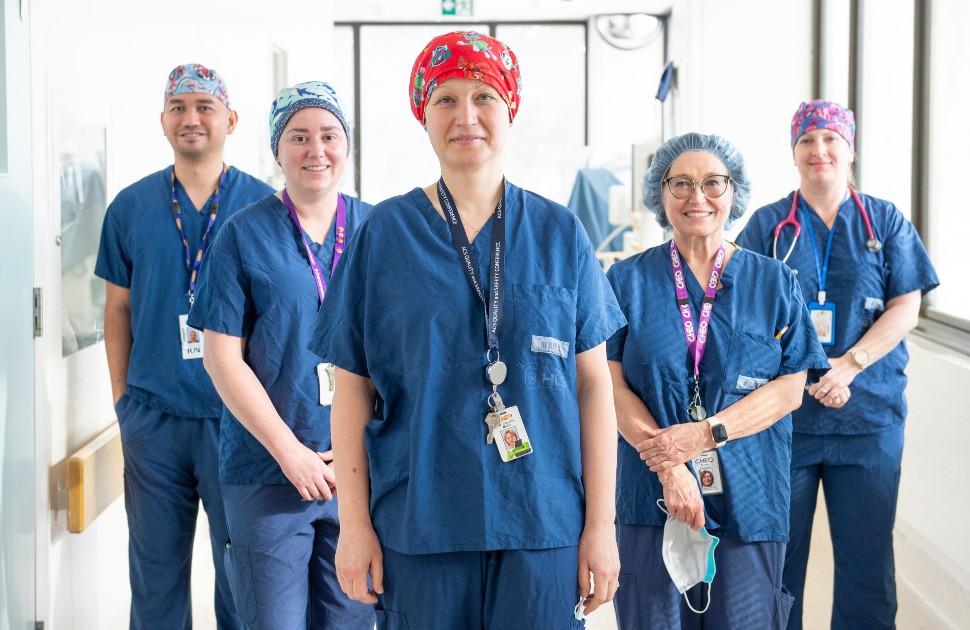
x: 456, y: 7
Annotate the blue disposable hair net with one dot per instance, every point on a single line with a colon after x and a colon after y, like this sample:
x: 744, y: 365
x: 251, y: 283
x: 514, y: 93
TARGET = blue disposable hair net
x: 652, y: 188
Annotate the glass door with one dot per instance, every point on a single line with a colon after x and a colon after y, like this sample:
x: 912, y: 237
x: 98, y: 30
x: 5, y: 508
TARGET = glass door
x: 18, y: 531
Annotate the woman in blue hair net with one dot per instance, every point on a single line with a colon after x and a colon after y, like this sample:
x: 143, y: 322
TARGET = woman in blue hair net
x: 705, y: 376
x: 862, y: 270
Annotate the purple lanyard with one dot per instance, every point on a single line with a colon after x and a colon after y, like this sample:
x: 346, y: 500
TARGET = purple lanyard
x: 696, y: 340
x: 193, y: 265
x: 338, y: 246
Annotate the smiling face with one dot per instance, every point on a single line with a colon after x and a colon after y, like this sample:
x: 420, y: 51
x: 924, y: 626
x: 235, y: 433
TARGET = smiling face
x: 196, y: 125
x: 824, y: 159
x: 697, y: 216
x: 312, y: 152
x: 707, y: 479
x: 468, y: 124
x: 510, y: 438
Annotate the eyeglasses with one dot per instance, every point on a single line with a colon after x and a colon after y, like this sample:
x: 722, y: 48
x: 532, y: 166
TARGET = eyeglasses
x: 682, y: 187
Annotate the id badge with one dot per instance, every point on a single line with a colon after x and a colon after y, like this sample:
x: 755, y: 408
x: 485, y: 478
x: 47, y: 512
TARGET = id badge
x: 327, y: 381
x: 823, y: 317
x: 707, y: 467
x: 191, y: 339
x: 509, y: 435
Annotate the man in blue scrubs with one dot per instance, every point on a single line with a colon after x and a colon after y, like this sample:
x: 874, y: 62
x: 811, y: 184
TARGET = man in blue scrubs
x: 152, y: 243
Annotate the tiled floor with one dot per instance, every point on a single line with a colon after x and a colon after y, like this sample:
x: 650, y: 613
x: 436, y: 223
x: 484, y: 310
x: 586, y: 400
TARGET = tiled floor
x: 913, y: 614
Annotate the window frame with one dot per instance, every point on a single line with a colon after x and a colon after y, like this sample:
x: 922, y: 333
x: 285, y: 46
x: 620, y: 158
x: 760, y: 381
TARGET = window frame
x: 489, y: 28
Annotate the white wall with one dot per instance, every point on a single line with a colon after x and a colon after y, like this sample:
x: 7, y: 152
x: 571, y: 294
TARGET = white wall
x: 743, y: 68
x: 112, y: 58
x: 933, y: 498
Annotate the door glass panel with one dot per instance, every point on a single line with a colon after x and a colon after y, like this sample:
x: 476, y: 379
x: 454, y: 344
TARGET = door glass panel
x: 81, y: 166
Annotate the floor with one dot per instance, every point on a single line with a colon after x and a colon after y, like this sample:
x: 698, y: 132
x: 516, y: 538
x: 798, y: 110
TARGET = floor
x: 912, y: 615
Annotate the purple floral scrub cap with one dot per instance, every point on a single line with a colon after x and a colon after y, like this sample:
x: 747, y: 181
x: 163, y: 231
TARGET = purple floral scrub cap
x: 823, y: 115
x: 194, y: 78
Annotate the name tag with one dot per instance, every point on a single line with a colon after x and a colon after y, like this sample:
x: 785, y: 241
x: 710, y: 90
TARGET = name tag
x: 191, y: 339
x: 707, y: 467
x: 823, y: 318
x: 327, y: 381
x: 510, y: 436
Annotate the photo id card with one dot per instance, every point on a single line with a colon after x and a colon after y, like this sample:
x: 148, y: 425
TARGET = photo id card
x: 707, y: 467
x: 510, y: 437
x: 191, y: 339
x: 823, y: 317
x: 328, y: 382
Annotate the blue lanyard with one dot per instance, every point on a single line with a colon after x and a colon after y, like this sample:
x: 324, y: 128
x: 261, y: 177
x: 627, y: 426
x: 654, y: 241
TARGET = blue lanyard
x: 191, y: 265
x: 822, y: 268
x: 495, y: 302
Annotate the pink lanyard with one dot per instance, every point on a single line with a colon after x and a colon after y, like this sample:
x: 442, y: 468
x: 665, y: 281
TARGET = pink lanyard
x: 696, y: 336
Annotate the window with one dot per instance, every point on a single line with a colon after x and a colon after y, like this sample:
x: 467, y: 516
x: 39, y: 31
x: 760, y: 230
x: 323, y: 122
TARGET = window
x: 946, y: 220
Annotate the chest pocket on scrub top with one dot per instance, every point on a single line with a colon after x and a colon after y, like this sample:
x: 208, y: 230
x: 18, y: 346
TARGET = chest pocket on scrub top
x: 752, y: 361
x: 543, y: 330
x: 869, y: 293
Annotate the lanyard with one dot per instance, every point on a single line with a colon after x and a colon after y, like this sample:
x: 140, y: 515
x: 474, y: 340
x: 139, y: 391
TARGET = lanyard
x: 338, y: 246
x: 496, y: 302
x: 821, y: 267
x: 193, y: 265
x: 696, y: 338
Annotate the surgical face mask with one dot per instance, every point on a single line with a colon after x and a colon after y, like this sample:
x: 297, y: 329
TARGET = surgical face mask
x: 688, y: 556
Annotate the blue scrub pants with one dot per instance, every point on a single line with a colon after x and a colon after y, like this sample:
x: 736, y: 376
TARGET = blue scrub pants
x: 746, y: 591
x: 860, y: 474
x: 508, y: 589
x: 281, y: 561
x: 171, y: 463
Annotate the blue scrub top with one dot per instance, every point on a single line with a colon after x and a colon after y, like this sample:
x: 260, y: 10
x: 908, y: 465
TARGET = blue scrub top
x: 141, y: 250
x: 759, y: 297
x: 403, y: 314
x: 256, y: 283
x: 859, y: 283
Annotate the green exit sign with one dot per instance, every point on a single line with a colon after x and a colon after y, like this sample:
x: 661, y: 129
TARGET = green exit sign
x: 456, y: 7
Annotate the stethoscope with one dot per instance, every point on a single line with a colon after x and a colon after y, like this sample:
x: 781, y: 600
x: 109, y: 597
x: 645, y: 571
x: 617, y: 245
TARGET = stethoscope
x: 873, y: 244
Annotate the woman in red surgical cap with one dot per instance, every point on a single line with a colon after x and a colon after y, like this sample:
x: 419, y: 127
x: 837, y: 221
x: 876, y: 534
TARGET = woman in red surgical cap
x: 467, y: 308
x: 862, y: 269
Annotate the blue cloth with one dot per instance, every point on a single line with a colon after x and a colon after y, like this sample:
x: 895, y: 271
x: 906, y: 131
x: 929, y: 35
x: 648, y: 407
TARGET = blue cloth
x: 490, y: 590
x: 746, y: 592
x: 141, y: 250
x: 171, y: 463
x: 403, y: 314
x: 590, y: 200
x: 860, y: 474
x: 758, y: 299
x: 256, y: 283
x: 854, y: 451
x: 281, y: 561
x: 859, y: 283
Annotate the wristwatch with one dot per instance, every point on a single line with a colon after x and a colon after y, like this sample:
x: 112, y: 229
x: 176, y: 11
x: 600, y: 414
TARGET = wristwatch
x: 718, y: 431
x: 860, y: 356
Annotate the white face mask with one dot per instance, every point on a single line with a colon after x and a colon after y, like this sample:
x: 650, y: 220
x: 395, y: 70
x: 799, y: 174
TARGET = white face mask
x: 688, y: 556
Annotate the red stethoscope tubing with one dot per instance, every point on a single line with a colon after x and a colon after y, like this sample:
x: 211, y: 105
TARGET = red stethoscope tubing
x: 873, y: 244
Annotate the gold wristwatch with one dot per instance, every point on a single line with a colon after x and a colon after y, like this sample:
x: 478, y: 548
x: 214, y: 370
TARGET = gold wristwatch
x: 860, y: 356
